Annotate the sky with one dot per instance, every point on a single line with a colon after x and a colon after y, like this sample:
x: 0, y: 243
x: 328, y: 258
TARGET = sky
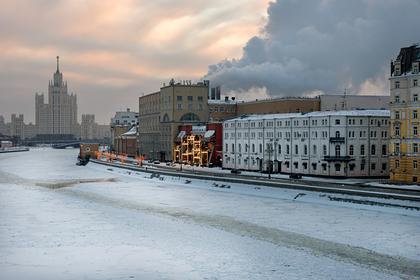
x: 111, y: 52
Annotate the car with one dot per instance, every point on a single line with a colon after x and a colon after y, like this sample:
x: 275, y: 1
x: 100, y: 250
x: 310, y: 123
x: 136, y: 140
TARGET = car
x: 295, y: 176
x: 156, y: 162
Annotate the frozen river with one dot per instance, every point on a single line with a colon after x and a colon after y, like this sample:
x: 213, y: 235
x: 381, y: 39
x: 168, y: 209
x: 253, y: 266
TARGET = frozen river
x: 62, y: 221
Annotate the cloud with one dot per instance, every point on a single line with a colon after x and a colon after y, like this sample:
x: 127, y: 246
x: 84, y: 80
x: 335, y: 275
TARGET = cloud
x: 326, y: 46
x: 112, y: 51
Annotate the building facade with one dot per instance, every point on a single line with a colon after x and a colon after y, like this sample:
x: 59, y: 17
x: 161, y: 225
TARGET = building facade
x: 279, y: 105
x: 335, y: 143
x: 59, y: 115
x: 161, y: 113
x: 122, y: 122
x: 405, y: 121
x: 88, y: 127
x: 17, y: 126
x: 354, y: 102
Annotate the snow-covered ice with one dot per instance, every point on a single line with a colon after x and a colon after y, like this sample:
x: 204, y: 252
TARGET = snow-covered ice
x: 62, y: 221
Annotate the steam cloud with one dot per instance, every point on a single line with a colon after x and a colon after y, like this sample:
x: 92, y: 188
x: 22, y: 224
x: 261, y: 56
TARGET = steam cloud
x: 312, y: 46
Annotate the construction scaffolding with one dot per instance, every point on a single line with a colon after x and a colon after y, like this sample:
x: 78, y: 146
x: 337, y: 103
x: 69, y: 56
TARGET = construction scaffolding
x: 192, y: 150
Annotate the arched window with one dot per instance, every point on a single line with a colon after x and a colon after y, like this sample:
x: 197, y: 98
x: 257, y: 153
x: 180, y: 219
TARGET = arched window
x: 166, y: 118
x: 337, y: 150
x: 190, y: 117
x: 351, y: 150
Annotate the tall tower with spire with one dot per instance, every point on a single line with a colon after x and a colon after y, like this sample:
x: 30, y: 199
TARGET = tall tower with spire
x: 59, y: 115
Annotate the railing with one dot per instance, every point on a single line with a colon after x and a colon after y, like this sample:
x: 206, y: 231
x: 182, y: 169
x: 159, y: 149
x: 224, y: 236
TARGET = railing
x: 337, y: 158
x: 337, y: 139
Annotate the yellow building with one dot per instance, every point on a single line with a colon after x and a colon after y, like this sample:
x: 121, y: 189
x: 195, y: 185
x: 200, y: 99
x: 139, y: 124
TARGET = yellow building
x: 405, y: 121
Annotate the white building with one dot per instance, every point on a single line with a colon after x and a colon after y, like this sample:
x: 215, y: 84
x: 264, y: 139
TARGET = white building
x: 335, y: 143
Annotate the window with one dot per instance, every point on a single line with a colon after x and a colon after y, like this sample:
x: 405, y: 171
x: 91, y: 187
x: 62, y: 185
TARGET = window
x: 397, y: 115
x: 305, y: 150
x: 260, y: 148
x: 240, y: 148
x: 190, y: 107
x: 337, y: 167
x: 314, y: 149
x: 373, y: 166
x: 179, y: 106
x: 324, y: 167
x: 397, y: 148
x: 199, y: 98
x: 397, y: 131
x: 324, y: 150
x: 397, y: 84
x: 226, y: 147
x: 233, y: 148
x: 383, y: 166
x: 253, y: 148
x: 397, y: 99
x: 287, y: 149
x: 190, y: 98
x: 415, y: 164
x: 179, y: 98
x: 415, y: 115
x: 397, y: 163
x: 337, y: 150
x: 351, y: 150
x: 337, y: 134
x: 296, y: 149
x: 352, y: 166
x: 415, y: 97
x: 279, y: 149
x: 414, y: 83
x: 373, y: 150
x: 415, y: 130
x: 337, y: 122
x: 362, y: 166
x: 384, y: 148
x: 415, y: 148
x: 362, y: 150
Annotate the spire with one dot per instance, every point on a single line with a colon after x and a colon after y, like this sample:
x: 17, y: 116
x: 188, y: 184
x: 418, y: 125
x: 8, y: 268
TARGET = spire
x: 58, y: 70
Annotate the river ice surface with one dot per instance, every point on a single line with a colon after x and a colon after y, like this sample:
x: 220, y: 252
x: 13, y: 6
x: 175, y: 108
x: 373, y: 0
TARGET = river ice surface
x: 62, y: 221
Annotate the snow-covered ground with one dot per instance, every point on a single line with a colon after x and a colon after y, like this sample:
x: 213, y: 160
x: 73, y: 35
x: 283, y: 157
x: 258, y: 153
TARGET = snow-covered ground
x: 62, y: 221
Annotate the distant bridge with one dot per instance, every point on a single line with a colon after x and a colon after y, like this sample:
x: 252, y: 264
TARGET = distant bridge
x: 66, y: 145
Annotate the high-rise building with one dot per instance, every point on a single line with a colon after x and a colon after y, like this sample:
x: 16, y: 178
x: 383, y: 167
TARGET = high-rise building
x: 405, y: 121
x: 59, y: 115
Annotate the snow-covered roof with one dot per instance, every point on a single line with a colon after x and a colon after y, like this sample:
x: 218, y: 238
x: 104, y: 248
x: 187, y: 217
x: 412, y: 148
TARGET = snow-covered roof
x: 351, y: 113
x: 222, y: 101
x: 131, y: 132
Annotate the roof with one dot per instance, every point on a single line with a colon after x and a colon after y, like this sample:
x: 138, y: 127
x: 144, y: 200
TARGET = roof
x: 131, y: 132
x: 352, y: 113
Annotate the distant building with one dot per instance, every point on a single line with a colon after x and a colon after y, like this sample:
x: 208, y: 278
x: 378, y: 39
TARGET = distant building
x: 122, y: 122
x: 59, y: 115
x: 17, y: 126
x: 222, y: 109
x: 126, y: 143
x: 88, y: 127
x: 174, y: 105
x: 279, y: 105
x: 30, y: 131
x: 354, y: 102
x: 405, y: 121
x: 4, y: 128
x: 334, y: 143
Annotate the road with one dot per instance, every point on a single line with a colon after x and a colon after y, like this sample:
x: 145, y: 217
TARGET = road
x: 62, y: 221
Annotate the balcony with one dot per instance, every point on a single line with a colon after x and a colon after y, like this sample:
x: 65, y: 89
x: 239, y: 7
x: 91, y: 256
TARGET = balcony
x: 338, y: 158
x: 337, y: 139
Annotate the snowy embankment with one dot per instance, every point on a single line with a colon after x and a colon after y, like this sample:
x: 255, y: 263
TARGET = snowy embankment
x: 63, y: 221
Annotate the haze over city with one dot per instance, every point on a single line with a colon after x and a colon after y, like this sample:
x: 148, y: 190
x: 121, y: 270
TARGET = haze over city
x: 116, y: 50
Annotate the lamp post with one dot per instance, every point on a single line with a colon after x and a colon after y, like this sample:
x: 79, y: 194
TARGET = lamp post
x: 180, y: 157
x: 269, y: 150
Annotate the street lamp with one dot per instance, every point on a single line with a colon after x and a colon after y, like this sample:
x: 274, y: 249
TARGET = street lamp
x: 269, y: 150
